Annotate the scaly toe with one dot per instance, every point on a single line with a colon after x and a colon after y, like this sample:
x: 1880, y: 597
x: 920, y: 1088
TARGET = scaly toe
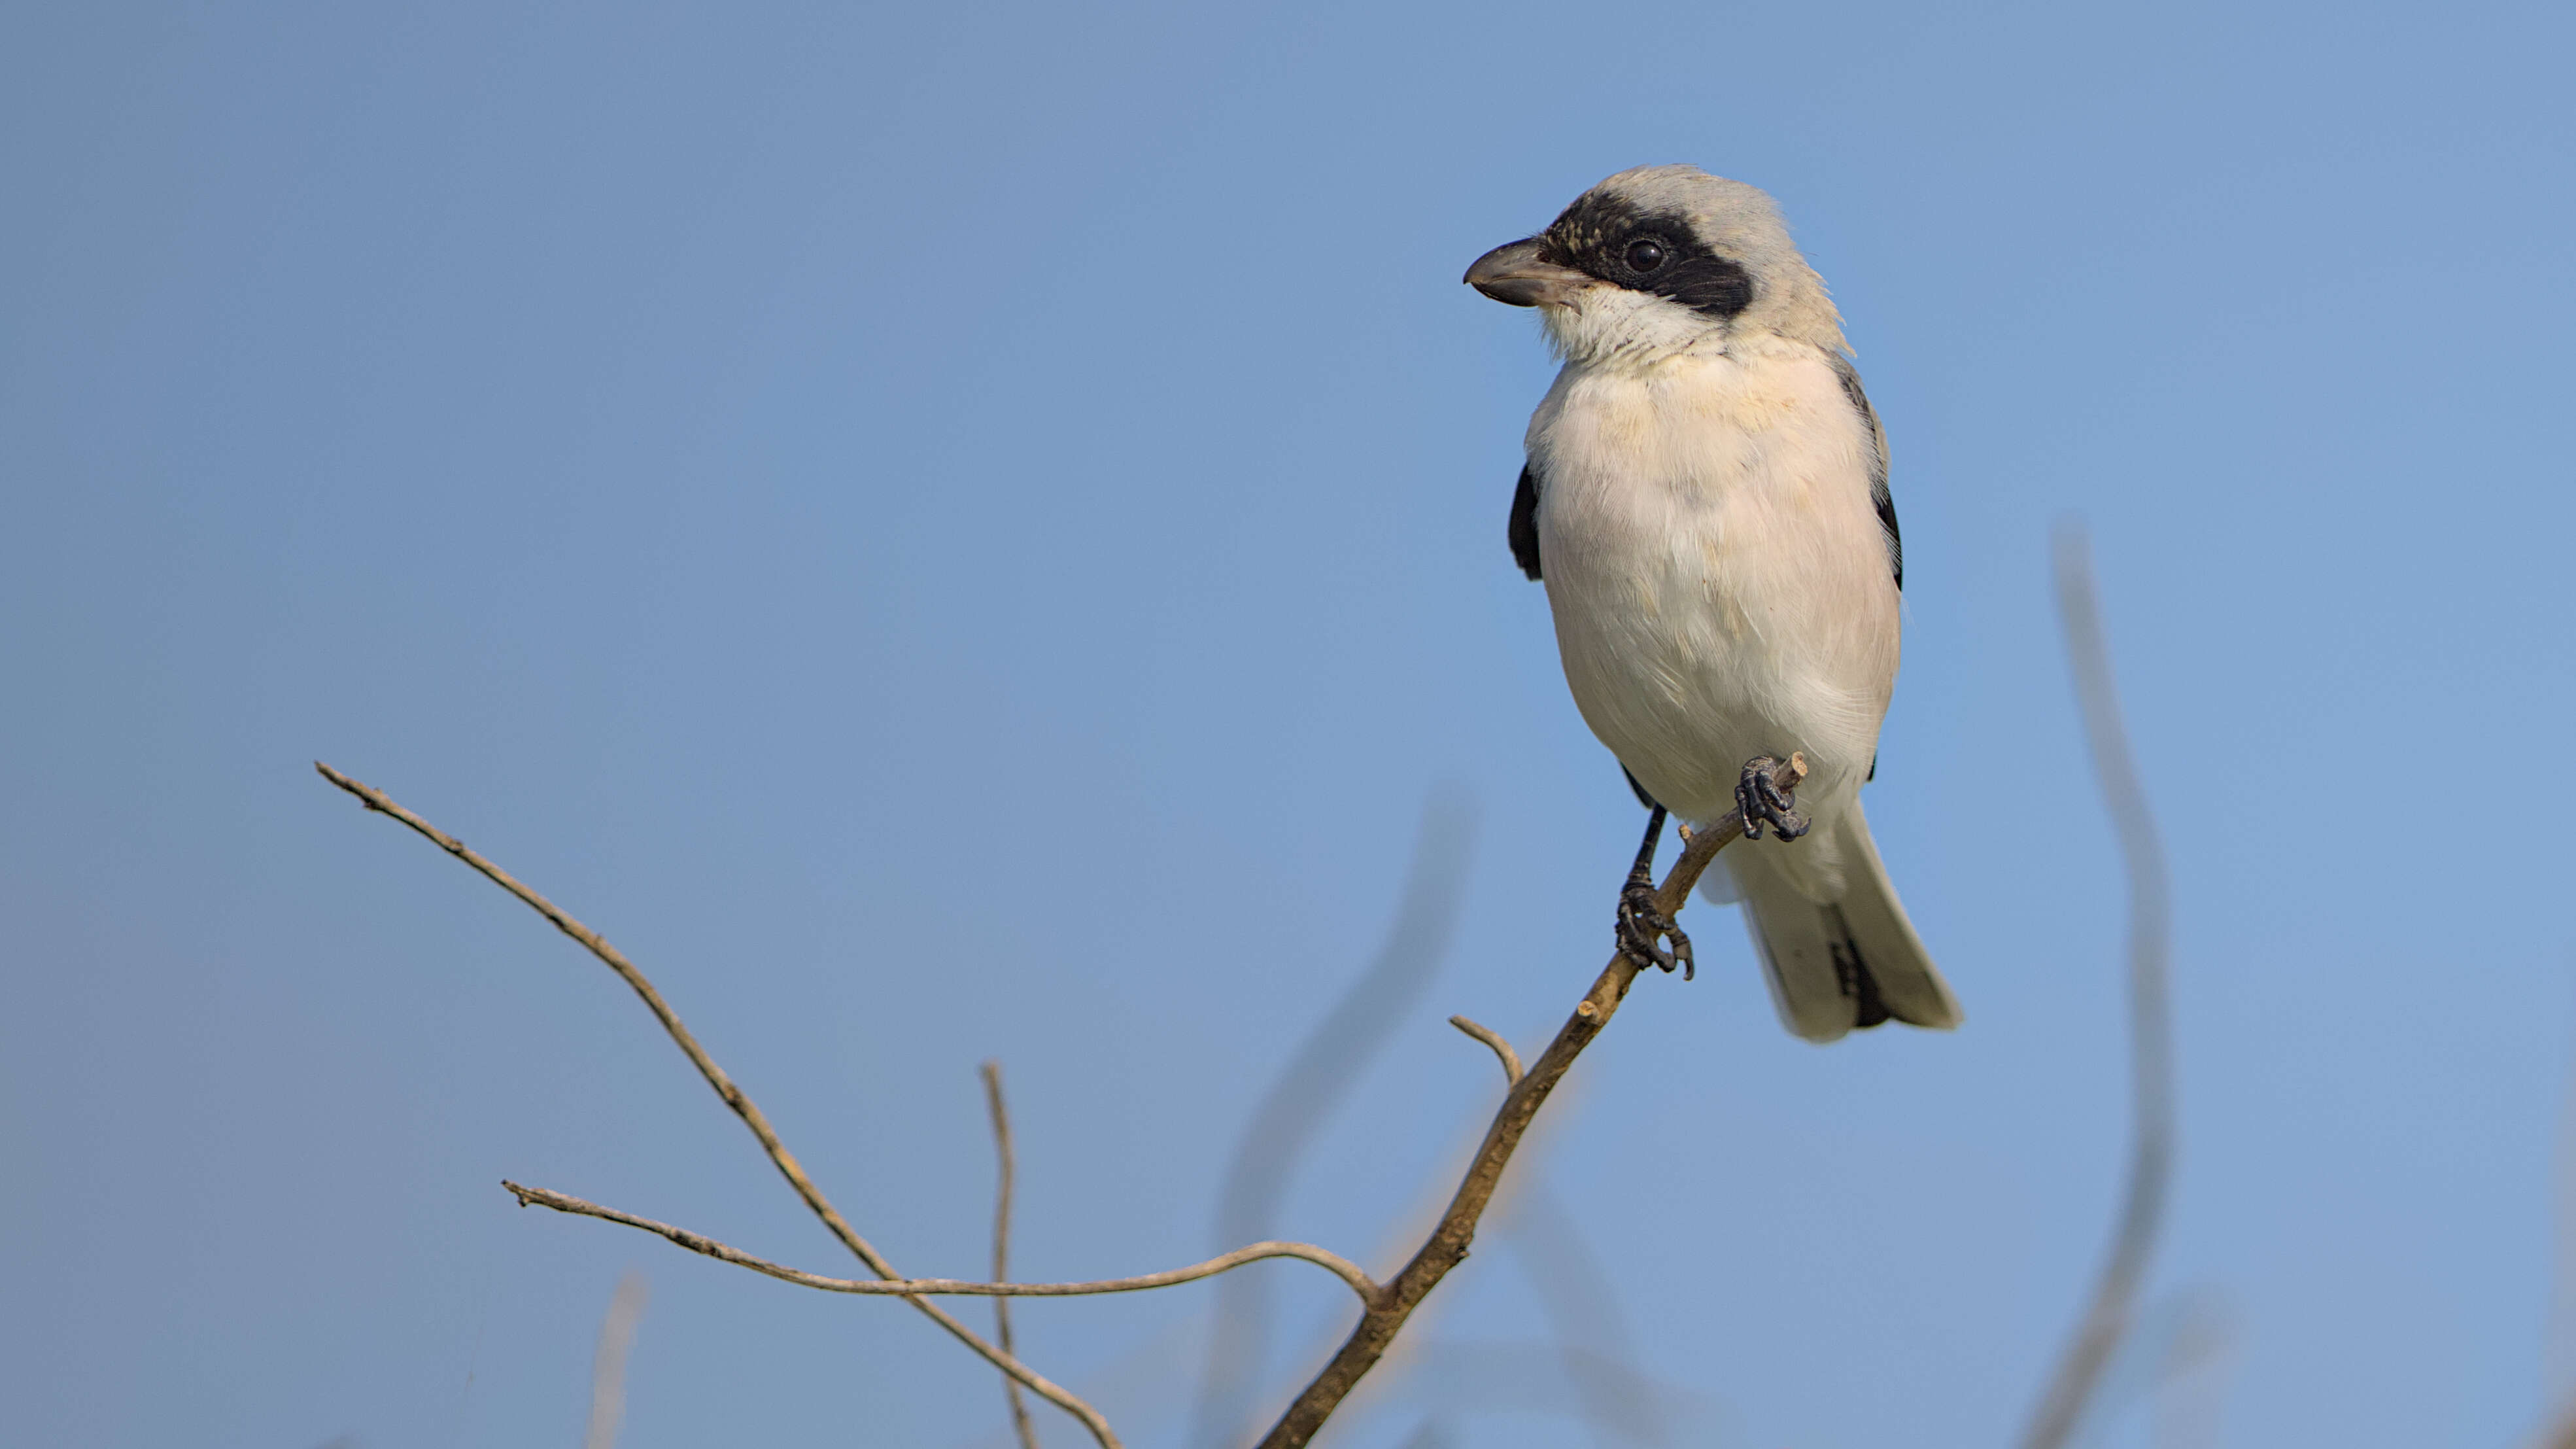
x: 1761, y: 801
x: 1643, y: 927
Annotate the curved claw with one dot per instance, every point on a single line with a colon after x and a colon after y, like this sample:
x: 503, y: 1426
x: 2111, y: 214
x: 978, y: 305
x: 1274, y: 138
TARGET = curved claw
x: 1759, y: 796
x: 1643, y: 925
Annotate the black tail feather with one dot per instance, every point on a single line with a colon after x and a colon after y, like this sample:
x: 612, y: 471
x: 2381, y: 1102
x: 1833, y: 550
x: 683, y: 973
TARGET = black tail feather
x: 1852, y: 974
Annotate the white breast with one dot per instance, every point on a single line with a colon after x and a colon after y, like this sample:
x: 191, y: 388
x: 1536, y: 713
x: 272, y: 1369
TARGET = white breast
x: 1719, y: 578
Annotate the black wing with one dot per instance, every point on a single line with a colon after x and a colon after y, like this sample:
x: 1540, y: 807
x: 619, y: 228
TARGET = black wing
x: 1523, y: 532
x: 1879, y: 497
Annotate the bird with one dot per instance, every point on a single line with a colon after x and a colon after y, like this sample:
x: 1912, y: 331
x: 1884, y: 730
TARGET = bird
x: 1705, y: 500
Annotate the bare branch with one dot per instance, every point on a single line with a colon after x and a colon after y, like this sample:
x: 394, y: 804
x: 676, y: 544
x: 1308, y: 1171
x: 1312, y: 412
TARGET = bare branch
x: 1503, y: 1049
x: 1391, y: 1305
x: 1339, y: 1266
x: 1002, y: 1182
x: 2133, y: 1241
x: 734, y: 1097
x: 608, y: 1365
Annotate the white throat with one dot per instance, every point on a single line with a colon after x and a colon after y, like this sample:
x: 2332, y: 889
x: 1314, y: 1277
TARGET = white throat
x: 1614, y: 327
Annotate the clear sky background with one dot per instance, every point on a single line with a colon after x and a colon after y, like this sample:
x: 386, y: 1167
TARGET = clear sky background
x: 977, y: 531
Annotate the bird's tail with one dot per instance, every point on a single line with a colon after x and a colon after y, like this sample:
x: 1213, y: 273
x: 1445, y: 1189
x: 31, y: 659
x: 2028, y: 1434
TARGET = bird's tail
x: 1845, y: 966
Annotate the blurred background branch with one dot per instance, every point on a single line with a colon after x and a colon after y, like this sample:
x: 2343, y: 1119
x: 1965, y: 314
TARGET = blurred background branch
x: 2106, y: 1317
x: 1598, y: 1354
x: 608, y: 1364
x: 1319, y: 1076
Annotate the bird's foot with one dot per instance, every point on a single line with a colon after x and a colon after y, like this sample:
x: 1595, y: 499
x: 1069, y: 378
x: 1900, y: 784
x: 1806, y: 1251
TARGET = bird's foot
x: 1644, y: 925
x: 1759, y: 796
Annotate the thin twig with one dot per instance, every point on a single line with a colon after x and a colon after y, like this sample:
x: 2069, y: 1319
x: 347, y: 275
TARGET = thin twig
x: 1334, y: 1263
x: 1503, y: 1049
x: 608, y: 1365
x: 2133, y: 1241
x: 733, y: 1096
x: 1391, y: 1305
x: 1002, y: 1182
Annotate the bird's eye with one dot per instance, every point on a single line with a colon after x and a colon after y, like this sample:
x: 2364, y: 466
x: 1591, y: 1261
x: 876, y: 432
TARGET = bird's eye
x: 1645, y: 254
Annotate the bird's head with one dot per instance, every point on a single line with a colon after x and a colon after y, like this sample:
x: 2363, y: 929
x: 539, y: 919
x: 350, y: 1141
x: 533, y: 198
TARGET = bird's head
x: 1662, y: 260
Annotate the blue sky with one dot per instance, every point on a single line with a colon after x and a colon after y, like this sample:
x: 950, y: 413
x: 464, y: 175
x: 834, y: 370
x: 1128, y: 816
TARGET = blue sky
x: 978, y: 532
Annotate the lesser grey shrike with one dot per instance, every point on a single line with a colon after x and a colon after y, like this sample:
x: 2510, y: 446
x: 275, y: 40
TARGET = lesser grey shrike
x: 1706, y: 500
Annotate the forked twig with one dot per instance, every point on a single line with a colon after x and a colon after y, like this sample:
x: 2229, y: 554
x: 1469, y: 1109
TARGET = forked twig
x: 2133, y: 1241
x: 1339, y: 1266
x: 1393, y: 1303
x: 1005, y: 1172
x: 733, y: 1096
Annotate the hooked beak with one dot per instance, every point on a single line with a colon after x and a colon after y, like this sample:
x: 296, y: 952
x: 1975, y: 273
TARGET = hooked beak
x: 1513, y: 273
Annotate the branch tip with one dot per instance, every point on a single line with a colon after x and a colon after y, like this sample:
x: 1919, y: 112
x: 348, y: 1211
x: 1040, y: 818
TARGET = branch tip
x: 1502, y: 1049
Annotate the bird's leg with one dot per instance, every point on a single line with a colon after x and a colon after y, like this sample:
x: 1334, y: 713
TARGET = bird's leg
x: 1759, y: 796
x: 1643, y: 922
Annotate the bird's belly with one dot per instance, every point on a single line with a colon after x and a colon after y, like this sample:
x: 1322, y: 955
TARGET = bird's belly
x: 1685, y: 683
x: 1720, y: 595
